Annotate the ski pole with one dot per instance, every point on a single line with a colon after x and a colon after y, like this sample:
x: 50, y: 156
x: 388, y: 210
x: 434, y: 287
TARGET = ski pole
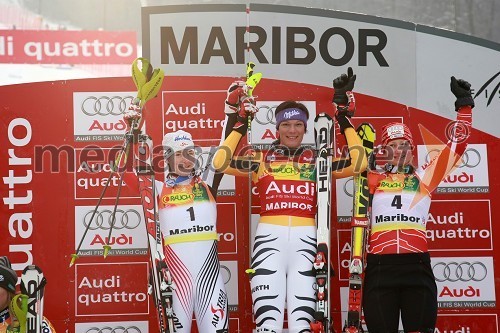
x: 148, y: 83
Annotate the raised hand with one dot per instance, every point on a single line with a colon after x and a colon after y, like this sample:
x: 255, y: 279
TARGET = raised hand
x: 461, y: 89
x: 342, y: 85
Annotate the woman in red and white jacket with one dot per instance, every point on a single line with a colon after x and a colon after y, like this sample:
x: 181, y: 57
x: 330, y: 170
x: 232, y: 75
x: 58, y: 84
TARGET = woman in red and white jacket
x: 399, y: 277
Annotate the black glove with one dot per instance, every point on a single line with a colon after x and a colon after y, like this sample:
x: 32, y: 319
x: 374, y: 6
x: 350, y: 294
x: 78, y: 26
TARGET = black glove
x: 344, y: 121
x: 461, y: 89
x: 342, y: 84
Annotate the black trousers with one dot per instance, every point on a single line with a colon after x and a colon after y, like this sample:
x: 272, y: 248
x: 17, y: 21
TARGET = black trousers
x: 397, y: 283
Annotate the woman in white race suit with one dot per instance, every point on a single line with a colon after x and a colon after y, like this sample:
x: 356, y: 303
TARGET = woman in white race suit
x: 188, y: 213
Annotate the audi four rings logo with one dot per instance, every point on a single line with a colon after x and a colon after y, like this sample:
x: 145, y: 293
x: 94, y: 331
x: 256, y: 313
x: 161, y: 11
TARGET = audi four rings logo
x: 124, y: 219
x: 104, y: 105
x: 117, y: 329
x: 348, y: 189
x: 265, y: 115
x: 470, y: 158
x: 226, y: 273
x: 464, y: 271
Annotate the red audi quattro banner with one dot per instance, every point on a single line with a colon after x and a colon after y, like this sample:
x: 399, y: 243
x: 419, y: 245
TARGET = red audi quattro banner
x: 111, y: 289
x: 67, y: 47
x: 59, y: 139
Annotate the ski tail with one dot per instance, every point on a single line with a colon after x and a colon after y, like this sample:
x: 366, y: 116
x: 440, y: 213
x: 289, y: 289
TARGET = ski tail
x: 33, y: 285
x: 359, y: 234
x: 323, y: 129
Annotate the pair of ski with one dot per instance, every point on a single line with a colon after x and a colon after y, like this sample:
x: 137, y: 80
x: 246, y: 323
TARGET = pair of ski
x: 27, y: 307
x: 323, y: 128
x: 160, y: 286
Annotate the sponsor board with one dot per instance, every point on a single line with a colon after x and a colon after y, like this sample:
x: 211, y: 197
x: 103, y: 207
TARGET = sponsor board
x: 113, y: 327
x: 226, y: 229
x: 199, y: 112
x: 446, y: 323
x: 229, y: 271
x: 470, y: 174
x: 466, y: 323
x: 344, y: 188
x: 464, y: 282
x: 92, y: 170
x: 111, y: 289
x: 98, y: 116
x: 459, y: 226
x: 127, y: 237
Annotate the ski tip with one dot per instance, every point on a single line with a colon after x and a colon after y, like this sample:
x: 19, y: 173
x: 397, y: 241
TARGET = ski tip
x: 106, y: 250
x: 323, y: 115
x: 74, y: 256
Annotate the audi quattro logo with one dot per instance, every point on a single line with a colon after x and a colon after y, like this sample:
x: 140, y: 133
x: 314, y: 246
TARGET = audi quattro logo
x: 460, y: 271
x: 124, y: 219
x: 105, y: 106
x: 117, y: 329
x: 470, y: 158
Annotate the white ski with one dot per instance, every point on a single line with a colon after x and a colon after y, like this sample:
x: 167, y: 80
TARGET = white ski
x: 33, y: 285
x: 323, y: 129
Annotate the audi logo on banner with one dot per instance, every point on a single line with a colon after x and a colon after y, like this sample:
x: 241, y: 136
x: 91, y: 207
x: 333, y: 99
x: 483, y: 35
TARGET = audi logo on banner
x: 124, y: 219
x: 470, y: 158
x: 349, y: 187
x: 117, y: 329
x: 464, y: 271
x: 105, y: 105
x: 226, y: 273
x: 265, y: 115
